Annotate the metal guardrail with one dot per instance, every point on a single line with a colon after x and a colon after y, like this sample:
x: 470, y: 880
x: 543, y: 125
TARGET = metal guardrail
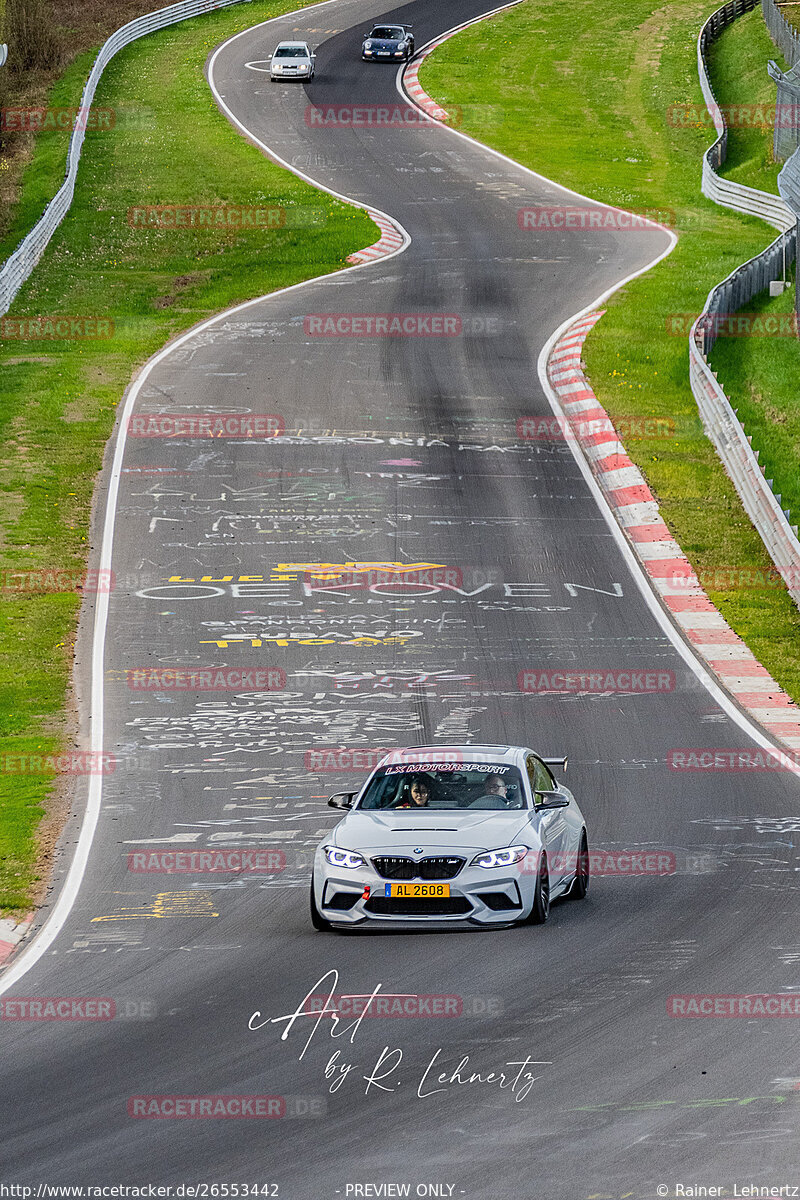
x: 19, y: 266
x: 789, y: 182
x: 786, y: 141
x: 731, y: 195
x: 719, y: 419
x: 786, y: 136
x: 785, y: 37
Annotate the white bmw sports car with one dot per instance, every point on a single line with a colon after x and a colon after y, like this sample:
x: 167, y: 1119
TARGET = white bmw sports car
x: 443, y: 835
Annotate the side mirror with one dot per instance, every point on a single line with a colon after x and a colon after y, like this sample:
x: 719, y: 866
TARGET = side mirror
x: 342, y: 800
x: 552, y: 800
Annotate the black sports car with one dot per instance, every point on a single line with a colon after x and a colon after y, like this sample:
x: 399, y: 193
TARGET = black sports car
x: 388, y: 42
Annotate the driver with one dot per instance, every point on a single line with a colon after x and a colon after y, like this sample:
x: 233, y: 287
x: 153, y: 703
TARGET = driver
x: 494, y: 794
x: 419, y: 792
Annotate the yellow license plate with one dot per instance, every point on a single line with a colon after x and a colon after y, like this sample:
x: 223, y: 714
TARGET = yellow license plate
x: 418, y: 891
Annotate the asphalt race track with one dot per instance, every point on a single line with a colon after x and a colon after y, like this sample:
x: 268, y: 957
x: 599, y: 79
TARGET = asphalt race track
x: 404, y: 450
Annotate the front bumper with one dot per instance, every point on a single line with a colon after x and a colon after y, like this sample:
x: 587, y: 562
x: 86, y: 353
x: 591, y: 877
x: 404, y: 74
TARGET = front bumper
x: 477, y: 896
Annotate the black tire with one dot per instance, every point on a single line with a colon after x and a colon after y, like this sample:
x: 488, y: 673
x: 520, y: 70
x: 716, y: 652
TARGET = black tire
x: 580, y: 884
x: 541, y: 903
x: 317, y: 920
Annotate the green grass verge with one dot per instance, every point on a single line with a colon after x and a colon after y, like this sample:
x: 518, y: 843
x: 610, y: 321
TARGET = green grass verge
x: 584, y: 97
x: 44, y: 175
x: 58, y: 398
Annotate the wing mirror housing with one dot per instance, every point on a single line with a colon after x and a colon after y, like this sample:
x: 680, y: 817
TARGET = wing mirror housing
x: 552, y: 800
x: 341, y: 800
x: 556, y: 762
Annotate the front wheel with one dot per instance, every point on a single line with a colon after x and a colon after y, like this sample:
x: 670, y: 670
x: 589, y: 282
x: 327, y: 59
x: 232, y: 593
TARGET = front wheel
x: 317, y: 920
x: 580, y: 884
x: 541, y: 901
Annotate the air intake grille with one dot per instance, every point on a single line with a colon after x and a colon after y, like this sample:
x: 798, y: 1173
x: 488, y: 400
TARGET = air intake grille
x: 439, y: 867
x: 498, y: 901
x: 396, y: 906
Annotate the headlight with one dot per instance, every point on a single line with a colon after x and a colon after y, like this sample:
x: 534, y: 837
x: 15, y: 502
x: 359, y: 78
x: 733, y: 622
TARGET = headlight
x: 343, y: 858
x: 500, y: 858
x: 367, y: 45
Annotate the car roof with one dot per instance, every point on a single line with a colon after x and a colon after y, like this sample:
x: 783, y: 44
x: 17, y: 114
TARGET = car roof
x: 292, y: 46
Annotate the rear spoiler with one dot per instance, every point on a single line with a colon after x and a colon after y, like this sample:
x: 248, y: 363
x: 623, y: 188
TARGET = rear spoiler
x: 556, y: 762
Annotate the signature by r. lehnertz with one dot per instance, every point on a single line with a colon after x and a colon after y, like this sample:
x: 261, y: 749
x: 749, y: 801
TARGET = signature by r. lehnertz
x: 384, y: 1075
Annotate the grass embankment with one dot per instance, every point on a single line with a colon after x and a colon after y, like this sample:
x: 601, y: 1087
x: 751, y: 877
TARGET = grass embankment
x: 585, y: 97
x: 58, y: 398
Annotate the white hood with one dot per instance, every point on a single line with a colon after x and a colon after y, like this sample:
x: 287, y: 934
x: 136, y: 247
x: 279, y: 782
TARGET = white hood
x: 442, y: 830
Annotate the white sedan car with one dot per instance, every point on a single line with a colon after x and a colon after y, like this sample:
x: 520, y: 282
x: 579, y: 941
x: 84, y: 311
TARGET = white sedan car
x: 459, y: 834
x: 292, y: 60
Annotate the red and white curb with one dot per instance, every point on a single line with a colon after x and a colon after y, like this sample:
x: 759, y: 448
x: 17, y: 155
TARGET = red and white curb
x: 390, y: 241
x: 415, y: 89
x: 669, y: 571
x: 11, y: 934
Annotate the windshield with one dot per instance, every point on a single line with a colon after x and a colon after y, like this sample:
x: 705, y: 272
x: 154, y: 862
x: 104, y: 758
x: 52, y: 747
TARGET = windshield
x: 389, y: 32
x: 290, y: 52
x: 411, y: 786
